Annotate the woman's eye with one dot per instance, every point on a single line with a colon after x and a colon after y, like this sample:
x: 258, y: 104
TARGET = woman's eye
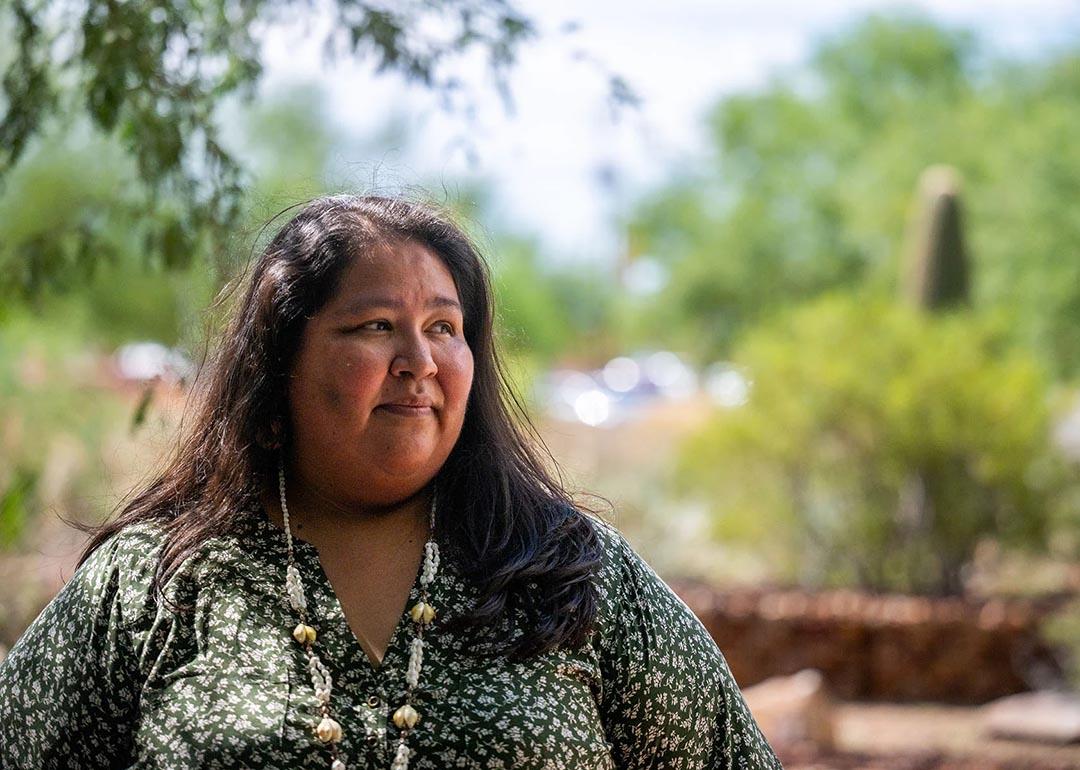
x: 442, y: 327
x: 375, y: 325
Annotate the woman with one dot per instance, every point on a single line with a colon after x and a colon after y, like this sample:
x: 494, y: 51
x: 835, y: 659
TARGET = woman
x: 357, y: 559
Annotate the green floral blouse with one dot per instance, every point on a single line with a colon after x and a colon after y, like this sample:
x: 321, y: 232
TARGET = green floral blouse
x: 107, y: 676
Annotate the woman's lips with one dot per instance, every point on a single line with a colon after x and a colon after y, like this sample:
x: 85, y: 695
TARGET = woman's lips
x: 406, y: 411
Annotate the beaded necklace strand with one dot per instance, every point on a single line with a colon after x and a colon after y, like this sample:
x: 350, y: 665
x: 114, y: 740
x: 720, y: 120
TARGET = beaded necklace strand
x: 328, y: 730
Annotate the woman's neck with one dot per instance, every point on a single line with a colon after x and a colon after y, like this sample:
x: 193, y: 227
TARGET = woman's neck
x: 334, y: 528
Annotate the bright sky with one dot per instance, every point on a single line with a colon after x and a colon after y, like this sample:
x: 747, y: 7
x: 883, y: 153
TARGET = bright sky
x: 558, y: 165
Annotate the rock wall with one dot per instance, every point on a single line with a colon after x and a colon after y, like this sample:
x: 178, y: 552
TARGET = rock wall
x: 899, y: 648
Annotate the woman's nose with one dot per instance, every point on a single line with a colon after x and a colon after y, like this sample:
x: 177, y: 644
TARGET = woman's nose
x: 413, y: 356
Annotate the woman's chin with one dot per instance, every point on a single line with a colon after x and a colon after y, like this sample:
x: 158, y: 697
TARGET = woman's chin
x: 407, y: 472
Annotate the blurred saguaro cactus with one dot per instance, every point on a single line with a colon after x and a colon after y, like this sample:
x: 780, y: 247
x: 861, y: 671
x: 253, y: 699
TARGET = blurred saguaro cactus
x: 937, y: 273
x: 936, y: 278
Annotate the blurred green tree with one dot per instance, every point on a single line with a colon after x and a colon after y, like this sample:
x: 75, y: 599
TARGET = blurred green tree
x: 850, y: 394
x: 807, y: 187
x: 126, y: 289
x: 57, y: 397
x: 524, y: 290
x: 150, y: 78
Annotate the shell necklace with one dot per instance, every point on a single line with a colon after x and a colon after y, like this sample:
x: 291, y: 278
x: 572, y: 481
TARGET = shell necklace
x: 327, y: 729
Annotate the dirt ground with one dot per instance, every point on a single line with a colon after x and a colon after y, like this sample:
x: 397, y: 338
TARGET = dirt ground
x: 886, y: 736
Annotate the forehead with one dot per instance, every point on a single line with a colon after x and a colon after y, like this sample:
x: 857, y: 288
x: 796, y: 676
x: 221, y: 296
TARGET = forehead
x: 402, y: 270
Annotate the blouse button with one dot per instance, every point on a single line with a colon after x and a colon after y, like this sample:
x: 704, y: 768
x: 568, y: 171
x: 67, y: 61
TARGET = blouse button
x: 374, y: 701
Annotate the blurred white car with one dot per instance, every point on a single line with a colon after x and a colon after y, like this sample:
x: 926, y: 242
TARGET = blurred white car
x: 144, y: 361
x: 612, y: 394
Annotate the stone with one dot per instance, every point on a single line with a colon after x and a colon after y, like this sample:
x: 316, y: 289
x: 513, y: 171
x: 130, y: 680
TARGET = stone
x: 1047, y: 717
x: 793, y: 710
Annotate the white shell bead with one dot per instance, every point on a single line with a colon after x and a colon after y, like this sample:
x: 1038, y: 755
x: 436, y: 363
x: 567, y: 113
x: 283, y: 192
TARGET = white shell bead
x: 431, y: 562
x: 294, y: 589
x: 416, y: 658
x: 401, y: 761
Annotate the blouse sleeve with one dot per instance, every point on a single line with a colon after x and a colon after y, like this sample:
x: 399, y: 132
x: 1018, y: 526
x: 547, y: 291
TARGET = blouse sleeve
x: 668, y: 699
x: 69, y: 686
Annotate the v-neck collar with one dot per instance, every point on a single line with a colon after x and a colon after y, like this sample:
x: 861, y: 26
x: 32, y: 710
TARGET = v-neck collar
x: 398, y: 638
x: 326, y: 613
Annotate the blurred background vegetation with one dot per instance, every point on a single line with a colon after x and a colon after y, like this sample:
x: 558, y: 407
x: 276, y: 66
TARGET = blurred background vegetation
x: 888, y: 441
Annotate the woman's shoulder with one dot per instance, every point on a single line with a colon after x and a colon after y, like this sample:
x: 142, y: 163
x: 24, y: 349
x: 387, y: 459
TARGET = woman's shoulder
x: 136, y: 548
x: 124, y: 566
x: 121, y: 569
x: 665, y: 672
x: 619, y: 561
x: 130, y: 550
x: 620, y: 569
x: 632, y: 596
x: 130, y: 543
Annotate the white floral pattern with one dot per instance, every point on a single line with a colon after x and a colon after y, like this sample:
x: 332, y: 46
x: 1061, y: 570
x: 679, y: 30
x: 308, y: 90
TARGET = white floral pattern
x: 107, y: 676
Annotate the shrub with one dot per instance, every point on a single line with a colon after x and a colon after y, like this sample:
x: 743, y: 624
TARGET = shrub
x: 880, y: 444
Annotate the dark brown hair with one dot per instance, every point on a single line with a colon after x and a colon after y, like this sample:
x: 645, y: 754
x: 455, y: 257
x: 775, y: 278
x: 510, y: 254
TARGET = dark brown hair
x: 520, y: 537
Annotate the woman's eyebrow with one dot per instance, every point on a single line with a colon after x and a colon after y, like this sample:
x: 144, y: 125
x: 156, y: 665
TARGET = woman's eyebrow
x: 363, y: 304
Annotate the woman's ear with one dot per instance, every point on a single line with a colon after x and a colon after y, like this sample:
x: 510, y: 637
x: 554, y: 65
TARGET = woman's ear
x: 271, y: 436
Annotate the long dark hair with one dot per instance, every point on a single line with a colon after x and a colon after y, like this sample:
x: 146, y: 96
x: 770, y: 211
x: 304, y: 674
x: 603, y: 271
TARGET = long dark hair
x: 528, y: 546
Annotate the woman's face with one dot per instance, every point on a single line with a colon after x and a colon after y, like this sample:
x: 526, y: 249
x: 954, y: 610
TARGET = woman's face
x: 379, y: 385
